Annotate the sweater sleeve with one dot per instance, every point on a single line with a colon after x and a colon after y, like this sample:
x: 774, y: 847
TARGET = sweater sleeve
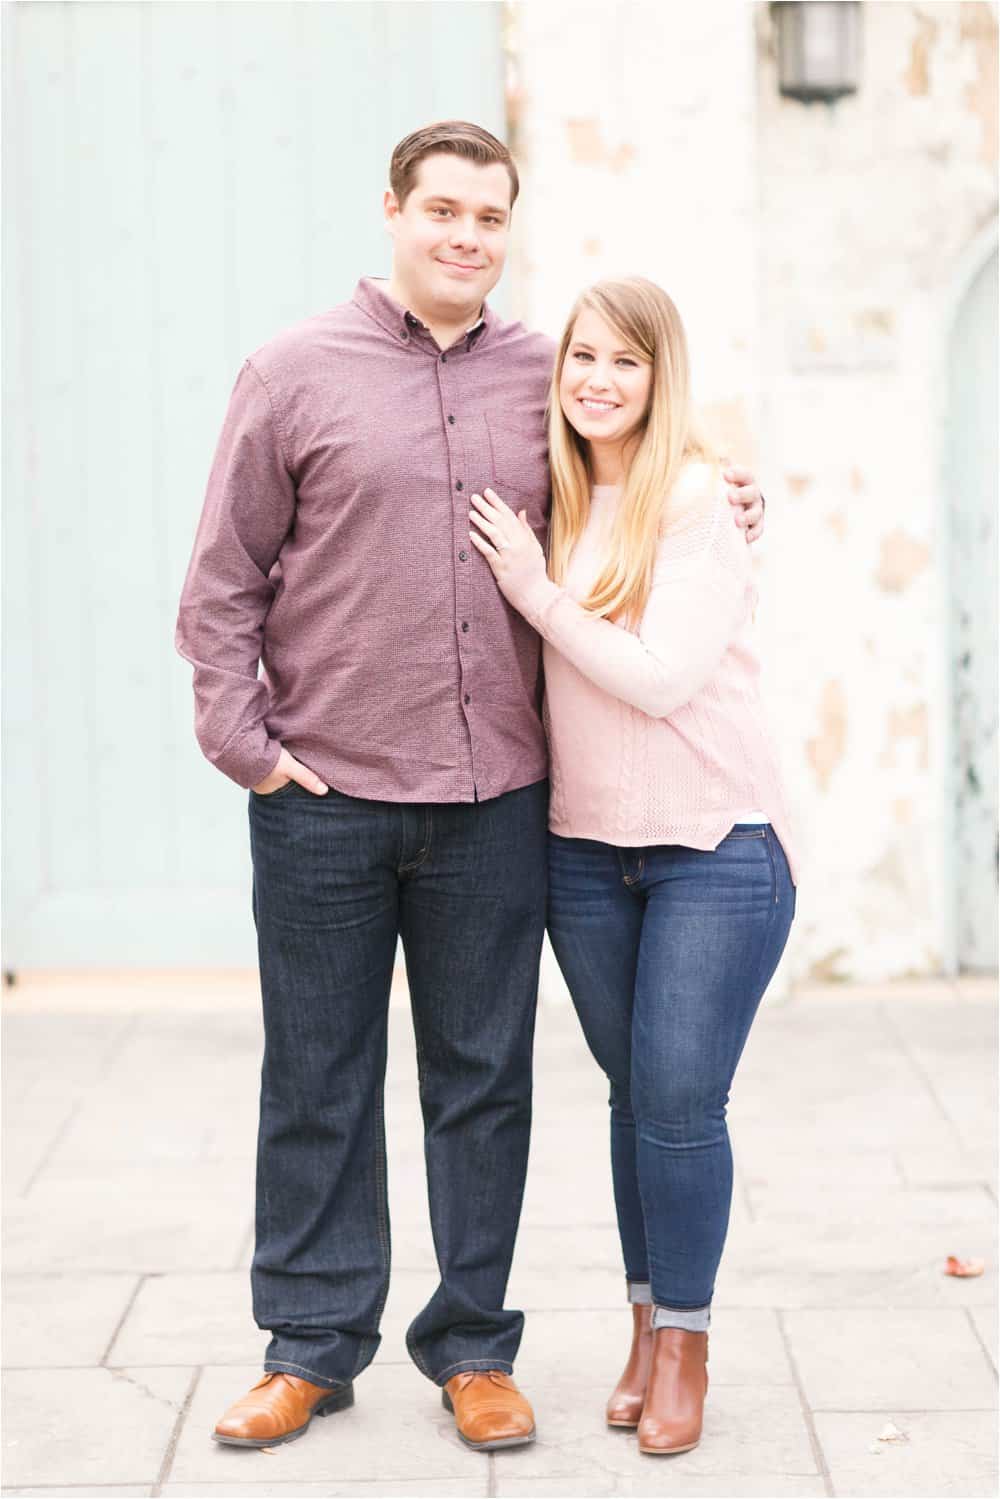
x: 696, y: 607
x: 249, y: 509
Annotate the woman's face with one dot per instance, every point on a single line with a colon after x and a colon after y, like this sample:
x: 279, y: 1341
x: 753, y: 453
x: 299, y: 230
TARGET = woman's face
x: 603, y: 387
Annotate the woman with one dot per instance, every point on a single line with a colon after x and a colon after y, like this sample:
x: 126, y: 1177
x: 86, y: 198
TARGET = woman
x: 671, y: 894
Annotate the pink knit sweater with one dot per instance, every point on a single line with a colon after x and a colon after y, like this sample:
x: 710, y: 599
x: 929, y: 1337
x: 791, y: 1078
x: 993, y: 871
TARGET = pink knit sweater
x: 658, y: 736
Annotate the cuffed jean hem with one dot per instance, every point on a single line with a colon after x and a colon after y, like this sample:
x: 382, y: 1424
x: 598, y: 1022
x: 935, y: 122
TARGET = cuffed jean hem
x: 639, y: 1293
x: 277, y: 1366
x: 473, y: 1366
x: 690, y: 1318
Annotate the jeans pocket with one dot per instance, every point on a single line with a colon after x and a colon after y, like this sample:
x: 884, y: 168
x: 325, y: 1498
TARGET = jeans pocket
x: 270, y: 796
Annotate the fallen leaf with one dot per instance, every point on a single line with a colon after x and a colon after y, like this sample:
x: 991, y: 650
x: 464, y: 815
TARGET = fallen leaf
x: 954, y: 1266
x: 891, y: 1433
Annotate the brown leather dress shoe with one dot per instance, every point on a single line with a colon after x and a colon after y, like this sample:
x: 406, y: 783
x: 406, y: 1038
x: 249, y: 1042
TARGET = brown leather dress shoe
x: 489, y: 1410
x: 625, y: 1405
x: 278, y: 1409
x: 675, y: 1396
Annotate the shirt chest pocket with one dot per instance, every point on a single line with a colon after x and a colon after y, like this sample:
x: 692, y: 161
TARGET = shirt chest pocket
x: 519, y: 460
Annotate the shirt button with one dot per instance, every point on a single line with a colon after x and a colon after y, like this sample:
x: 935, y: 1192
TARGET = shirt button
x: 463, y: 556
x: 451, y: 421
x: 444, y: 359
x: 468, y: 698
x: 459, y: 484
x: 465, y: 627
x: 405, y: 336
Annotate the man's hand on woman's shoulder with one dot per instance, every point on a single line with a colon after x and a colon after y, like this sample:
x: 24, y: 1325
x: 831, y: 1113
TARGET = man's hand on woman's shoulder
x: 744, y: 494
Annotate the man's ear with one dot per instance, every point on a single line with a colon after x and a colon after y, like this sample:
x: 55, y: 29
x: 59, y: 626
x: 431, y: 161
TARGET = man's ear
x: 390, y: 207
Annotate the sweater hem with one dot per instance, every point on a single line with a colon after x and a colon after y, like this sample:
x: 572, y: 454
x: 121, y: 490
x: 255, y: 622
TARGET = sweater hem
x: 700, y: 839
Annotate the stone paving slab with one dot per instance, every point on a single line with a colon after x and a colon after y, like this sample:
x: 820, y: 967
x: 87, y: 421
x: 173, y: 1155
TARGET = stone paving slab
x: 53, y: 1491
x: 66, y: 1228
x: 946, y: 1454
x: 409, y: 1488
x: 398, y: 1431
x: 862, y: 1159
x: 106, y: 1426
x: 747, y: 1431
x: 868, y: 1208
x: 926, y: 1359
x: 55, y: 1321
x: 163, y: 1122
x: 745, y: 1348
x: 796, y: 1167
x: 947, y: 1164
x: 661, y: 1480
x: 842, y: 1268
x: 985, y: 1321
x: 197, y: 1319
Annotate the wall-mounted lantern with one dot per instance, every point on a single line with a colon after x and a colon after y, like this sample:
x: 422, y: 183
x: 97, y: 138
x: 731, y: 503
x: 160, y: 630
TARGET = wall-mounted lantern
x: 819, y: 47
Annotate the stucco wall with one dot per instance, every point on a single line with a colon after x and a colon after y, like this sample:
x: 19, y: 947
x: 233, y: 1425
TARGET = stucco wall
x: 815, y: 254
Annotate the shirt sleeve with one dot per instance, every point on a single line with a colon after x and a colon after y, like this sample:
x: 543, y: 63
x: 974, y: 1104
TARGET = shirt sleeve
x: 249, y: 509
x: 695, y: 610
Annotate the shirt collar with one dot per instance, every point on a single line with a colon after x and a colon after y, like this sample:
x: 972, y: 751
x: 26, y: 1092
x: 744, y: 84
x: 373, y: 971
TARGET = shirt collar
x: 370, y: 295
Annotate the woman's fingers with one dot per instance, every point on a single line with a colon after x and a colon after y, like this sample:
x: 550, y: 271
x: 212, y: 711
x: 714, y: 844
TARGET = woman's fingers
x: 492, y: 506
x: 492, y: 531
x: 484, y: 547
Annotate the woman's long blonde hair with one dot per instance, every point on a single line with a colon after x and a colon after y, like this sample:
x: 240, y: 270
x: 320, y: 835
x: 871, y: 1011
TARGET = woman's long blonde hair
x: 649, y: 324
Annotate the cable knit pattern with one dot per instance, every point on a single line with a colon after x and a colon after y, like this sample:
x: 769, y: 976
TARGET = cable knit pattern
x: 657, y: 735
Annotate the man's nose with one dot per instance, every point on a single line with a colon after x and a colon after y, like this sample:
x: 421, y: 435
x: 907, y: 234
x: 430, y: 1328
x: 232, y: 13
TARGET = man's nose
x: 464, y: 234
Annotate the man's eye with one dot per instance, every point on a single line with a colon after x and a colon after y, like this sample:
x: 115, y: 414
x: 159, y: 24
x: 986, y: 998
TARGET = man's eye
x: 440, y: 210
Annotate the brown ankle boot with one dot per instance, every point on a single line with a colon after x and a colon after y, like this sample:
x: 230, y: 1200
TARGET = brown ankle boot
x: 625, y: 1406
x: 675, y: 1394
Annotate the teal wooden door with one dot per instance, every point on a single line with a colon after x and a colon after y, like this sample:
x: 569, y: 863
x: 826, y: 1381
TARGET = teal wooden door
x: 182, y: 182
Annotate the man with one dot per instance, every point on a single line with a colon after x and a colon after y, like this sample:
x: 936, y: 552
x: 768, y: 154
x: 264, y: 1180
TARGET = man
x: 397, y: 764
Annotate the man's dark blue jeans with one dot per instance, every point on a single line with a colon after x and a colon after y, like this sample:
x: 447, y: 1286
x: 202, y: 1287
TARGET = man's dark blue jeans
x: 336, y: 880
x: 667, y: 952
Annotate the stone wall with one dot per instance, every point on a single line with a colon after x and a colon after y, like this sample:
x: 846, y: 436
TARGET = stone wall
x: 817, y: 253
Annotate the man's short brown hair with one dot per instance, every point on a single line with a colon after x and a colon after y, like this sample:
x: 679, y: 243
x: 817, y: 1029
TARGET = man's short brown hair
x: 455, y: 136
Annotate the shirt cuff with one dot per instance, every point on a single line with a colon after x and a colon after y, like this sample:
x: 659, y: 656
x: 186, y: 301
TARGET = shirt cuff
x: 248, y: 758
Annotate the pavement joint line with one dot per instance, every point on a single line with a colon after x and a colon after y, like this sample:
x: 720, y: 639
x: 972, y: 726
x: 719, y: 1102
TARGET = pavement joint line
x: 904, y: 1410
x: 175, y: 1435
x: 129, y: 1304
x: 51, y: 1148
x: 819, y: 1456
x: 491, y: 1476
x: 116, y: 1045
x: 980, y: 1339
x: 245, y: 1242
x: 744, y: 1186
x: 902, y: 1041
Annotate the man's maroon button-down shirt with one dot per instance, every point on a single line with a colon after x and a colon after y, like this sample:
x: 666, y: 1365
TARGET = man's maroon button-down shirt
x: 333, y: 550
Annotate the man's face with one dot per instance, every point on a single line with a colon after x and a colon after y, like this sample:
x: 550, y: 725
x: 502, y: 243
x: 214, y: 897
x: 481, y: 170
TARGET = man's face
x: 450, y: 236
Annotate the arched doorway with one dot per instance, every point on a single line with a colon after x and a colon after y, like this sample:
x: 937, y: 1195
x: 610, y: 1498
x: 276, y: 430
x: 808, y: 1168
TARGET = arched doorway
x: 972, y: 582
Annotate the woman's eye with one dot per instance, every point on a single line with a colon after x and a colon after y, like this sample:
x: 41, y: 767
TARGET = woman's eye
x: 581, y: 355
